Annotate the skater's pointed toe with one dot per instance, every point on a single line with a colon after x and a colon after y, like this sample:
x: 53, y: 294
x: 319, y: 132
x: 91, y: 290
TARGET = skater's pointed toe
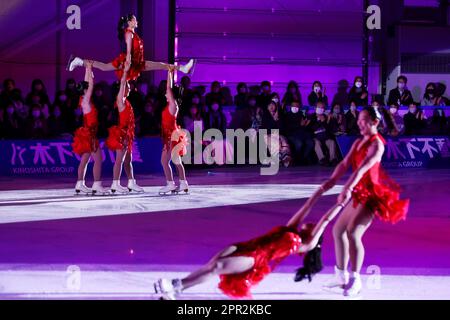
x: 74, y: 62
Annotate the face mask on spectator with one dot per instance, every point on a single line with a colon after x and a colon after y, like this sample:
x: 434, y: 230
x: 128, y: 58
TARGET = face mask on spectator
x: 10, y: 110
x: 401, y: 85
x: 36, y: 114
x: 440, y: 112
x: 215, y: 107
x: 317, y: 89
x: 336, y: 111
x: 358, y: 84
x: 320, y: 111
x: 430, y: 93
x: 412, y: 109
x: 295, y: 109
x: 352, y: 108
x: 275, y: 99
x: 393, y: 110
x: 195, y: 100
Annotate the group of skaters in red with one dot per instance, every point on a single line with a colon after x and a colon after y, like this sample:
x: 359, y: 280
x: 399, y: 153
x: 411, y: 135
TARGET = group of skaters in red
x: 127, y: 66
x: 368, y: 192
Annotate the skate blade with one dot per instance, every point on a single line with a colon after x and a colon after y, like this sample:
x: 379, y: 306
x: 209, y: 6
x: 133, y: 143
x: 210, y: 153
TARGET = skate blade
x: 338, y: 289
x: 135, y: 191
x: 81, y: 193
x: 101, y: 194
x: 71, y: 58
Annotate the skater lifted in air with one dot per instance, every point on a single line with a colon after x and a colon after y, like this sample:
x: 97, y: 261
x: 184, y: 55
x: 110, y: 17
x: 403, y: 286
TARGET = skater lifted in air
x: 86, y: 143
x: 131, y: 60
x: 174, y: 139
x: 243, y: 265
x: 120, y: 139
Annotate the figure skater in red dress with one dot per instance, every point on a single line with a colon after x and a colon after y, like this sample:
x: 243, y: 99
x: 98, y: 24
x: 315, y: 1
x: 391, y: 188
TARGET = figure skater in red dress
x: 243, y: 265
x: 120, y: 139
x: 85, y: 141
x: 131, y: 60
x: 174, y: 140
x: 374, y: 194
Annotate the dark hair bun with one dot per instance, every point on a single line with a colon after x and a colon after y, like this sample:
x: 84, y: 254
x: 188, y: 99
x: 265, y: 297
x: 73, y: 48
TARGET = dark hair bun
x: 374, y: 114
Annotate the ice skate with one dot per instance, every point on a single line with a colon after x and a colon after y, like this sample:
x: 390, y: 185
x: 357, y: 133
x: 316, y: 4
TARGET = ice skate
x: 170, y: 188
x: 74, y: 62
x: 81, y: 188
x: 184, y: 187
x: 354, y: 285
x: 99, y: 190
x: 339, y: 281
x: 168, y: 289
x: 189, y: 67
x: 132, y: 186
x: 116, y: 188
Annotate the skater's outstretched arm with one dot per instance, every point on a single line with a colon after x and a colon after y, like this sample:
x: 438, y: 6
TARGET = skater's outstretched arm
x: 129, y: 42
x: 89, y: 78
x: 169, y: 94
x: 301, y: 214
x: 120, y: 100
x: 341, y: 168
x: 320, y: 228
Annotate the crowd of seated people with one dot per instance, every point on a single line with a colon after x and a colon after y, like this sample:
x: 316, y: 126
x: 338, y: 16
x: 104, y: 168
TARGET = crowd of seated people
x: 307, y: 133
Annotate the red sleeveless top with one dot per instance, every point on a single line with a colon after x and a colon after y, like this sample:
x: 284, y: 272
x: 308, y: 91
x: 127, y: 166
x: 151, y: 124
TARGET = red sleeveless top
x: 376, y: 190
x: 137, y: 59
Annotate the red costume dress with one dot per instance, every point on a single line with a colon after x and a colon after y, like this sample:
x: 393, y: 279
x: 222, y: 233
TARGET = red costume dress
x: 122, y: 135
x: 376, y: 190
x: 137, y: 59
x: 168, y: 127
x: 267, y: 251
x: 85, y: 138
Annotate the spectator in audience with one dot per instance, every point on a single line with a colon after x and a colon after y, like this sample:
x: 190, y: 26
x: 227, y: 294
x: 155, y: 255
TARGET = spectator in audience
x: 37, y: 127
x: 414, y: 120
x: 400, y: 95
x: 216, y: 118
x: 271, y: 120
x: 398, y: 121
x: 55, y: 123
x: 292, y: 94
x: 11, y: 128
x: 429, y: 97
x: 137, y: 100
x: 193, y: 116
x: 351, y: 120
x: 6, y: 96
x: 149, y: 124
x: 358, y: 93
x: 265, y: 97
x: 22, y: 110
x: 440, y: 91
x: 317, y: 95
x: 323, y: 139
x: 2, y: 122
x: 341, y: 96
x: 104, y: 109
x: 37, y: 89
x: 336, y: 120
x: 294, y: 128
x: 240, y: 99
x: 215, y: 95
x: 438, y: 122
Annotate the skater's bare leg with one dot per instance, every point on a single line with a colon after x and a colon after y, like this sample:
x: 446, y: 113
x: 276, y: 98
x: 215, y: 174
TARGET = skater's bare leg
x: 128, y: 166
x: 180, y: 168
x: 361, y: 221
x: 120, y: 157
x: 83, y: 166
x: 151, y: 66
x: 165, y: 162
x: 219, y: 265
x: 98, y: 160
x: 103, y: 66
x: 341, y: 245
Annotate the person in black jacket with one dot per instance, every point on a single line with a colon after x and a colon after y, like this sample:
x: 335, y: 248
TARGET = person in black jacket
x: 358, y: 93
x: 400, y: 95
x: 351, y: 120
x: 414, y: 120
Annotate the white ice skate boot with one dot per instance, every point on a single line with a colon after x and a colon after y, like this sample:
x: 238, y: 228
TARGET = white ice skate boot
x: 189, y: 67
x: 75, y: 62
x: 99, y: 190
x: 116, y: 188
x: 169, y: 188
x: 184, y: 187
x: 132, y: 186
x: 354, y: 285
x: 339, y: 281
x: 81, y: 188
x: 168, y: 289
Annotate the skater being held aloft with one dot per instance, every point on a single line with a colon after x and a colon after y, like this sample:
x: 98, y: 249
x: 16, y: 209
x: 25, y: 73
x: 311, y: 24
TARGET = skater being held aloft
x: 120, y: 139
x: 243, y: 265
x: 131, y: 60
x: 85, y: 142
x: 173, y: 138
x: 373, y: 194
